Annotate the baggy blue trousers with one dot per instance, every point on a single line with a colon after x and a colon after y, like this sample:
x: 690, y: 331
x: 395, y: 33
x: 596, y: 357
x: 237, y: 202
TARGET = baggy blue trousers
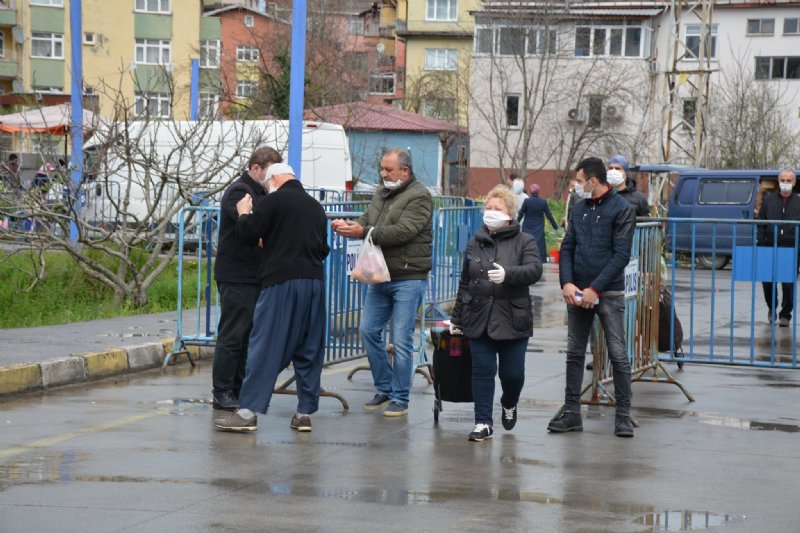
x: 288, y: 327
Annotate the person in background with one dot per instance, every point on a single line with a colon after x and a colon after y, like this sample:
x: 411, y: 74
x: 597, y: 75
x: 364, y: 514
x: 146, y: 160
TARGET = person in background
x: 617, y: 176
x: 572, y: 198
x: 518, y: 188
x: 493, y: 309
x: 781, y: 205
x: 594, y: 254
x: 236, y: 274
x: 290, y: 314
x: 533, y: 211
x: 401, y: 219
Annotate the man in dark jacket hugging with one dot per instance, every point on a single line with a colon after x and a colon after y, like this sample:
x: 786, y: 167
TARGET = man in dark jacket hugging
x: 594, y: 253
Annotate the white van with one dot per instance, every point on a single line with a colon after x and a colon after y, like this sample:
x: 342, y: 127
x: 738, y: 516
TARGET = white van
x: 148, y: 171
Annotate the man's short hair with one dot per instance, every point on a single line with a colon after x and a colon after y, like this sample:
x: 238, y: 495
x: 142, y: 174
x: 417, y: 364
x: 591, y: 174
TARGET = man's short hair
x: 403, y: 158
x: 264, y: 156
x: 789, y: 171
x: 593, y: 167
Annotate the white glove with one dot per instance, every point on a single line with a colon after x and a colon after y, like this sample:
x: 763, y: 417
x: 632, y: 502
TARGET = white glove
x: 497, y: 276
x: 455, y: 330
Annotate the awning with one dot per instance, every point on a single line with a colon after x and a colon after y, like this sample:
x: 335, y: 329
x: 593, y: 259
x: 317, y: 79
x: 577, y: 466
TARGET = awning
x: 54, y: 120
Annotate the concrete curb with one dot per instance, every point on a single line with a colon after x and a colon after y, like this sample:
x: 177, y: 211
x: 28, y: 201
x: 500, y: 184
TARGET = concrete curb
x: 77, y: 368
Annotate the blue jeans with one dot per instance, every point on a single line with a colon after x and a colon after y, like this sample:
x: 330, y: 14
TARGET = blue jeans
x: 399, y: 302
x: 611, y: 311
x: 486, y: 353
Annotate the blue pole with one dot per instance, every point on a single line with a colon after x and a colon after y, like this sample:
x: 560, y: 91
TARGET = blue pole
x: 76, y: 99
x: 195, y: 92
x: 296, y: 86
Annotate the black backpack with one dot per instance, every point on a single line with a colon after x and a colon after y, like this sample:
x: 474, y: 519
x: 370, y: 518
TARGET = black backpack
x: 664, y: 308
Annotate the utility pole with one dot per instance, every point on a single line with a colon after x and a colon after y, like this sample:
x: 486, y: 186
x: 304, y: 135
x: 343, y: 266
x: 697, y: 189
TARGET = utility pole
x: 687, y: 85
x: 297, y: 78
x: 76, y: 122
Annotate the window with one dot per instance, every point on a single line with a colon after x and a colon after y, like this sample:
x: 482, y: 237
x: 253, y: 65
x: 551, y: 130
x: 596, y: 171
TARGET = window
x: 541, y: 41
x: 152, y: 105
x: 725, y: 191
x: 609, y: 39
x: 246, y: 89
x: 57, y: 3
x: 441, y: 108
x: 595, y: 111
x: 760, y: 26
x: 153, y: 51
x: 89, y: 38
x: 47, y: 45
x: 2, y: 44
x: 355, y: 26
x: 40, y: 89
x: 356, y: 61
x: 693, y: 42
x: 778, y: 68
x: 249, y: 21
x: 484, y: 40
x: 442, y: 10
x: 247, y: 53
x: 440, y: 59
x: 512, y: 110
x: 383, y: 83
x: 511, y: 41
x: 207, y: 105
x: 153, y: 6
x: 209, y: 53
x: 791, y: 26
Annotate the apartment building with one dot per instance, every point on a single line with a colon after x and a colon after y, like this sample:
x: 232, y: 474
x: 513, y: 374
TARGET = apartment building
x: 553, y: 82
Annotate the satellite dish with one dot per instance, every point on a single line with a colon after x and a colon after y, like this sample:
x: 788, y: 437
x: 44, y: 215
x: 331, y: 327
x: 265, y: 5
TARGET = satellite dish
x: 17, y: 86
x: 381, y: 48
x: 19, y: 34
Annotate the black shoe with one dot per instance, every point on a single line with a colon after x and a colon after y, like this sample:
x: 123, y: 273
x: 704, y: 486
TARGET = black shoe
x: 509, y: 417
x: 623, y: 426
x: 481, y: 433
x: 300, y: 422
x: 225, y: 401
x: 566, y: 421
x: 590, y: 365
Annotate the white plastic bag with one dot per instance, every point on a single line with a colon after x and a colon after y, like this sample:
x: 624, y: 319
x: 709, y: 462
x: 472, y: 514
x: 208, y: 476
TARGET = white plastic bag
x: 371, y: 266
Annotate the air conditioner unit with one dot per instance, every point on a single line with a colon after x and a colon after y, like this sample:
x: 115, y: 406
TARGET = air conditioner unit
x: 613, y: 112
x: 577, y: 115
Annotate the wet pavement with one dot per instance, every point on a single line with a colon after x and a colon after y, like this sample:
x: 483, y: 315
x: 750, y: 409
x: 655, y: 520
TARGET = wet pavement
x: 138, y: 453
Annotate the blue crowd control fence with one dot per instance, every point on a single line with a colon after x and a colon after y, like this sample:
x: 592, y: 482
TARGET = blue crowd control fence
x: 724, y: 312
x: 642, y: 293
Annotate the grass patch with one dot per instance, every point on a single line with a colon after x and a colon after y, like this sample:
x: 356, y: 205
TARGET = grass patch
x: 67, y: 295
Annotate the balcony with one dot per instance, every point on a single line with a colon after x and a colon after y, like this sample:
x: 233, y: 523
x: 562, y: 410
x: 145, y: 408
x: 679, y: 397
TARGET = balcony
x: 8, y: 69
x: 8, y: 14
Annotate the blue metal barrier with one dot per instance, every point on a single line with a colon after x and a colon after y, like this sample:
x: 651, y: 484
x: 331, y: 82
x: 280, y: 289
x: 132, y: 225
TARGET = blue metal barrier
x: 200, y: 222
x: 325, y: 195
x: 723, y: 313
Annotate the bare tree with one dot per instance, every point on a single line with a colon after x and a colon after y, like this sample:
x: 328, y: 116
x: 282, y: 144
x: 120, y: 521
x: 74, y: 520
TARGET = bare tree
x: 138, y: 176
x: 748, y: 121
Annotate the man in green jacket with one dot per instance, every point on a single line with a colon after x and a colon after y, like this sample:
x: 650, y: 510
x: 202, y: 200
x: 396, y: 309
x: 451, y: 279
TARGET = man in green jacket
x: 400, y: 218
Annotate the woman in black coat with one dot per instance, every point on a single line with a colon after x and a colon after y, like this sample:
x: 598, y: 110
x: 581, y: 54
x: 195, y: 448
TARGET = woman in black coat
x: 493, y: 308
x: 533, y: 210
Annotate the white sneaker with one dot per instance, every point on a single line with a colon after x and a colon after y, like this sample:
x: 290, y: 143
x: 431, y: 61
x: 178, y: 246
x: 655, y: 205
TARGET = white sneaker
x: 481, y: 432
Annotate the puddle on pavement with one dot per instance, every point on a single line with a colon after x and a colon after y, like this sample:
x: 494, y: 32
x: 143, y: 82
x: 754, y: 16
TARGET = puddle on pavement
x: 684, y: 520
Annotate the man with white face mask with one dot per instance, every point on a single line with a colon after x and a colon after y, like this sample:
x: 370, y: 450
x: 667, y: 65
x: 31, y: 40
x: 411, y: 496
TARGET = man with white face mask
x: 400, y: 218
x: 782, y: 205
x: 617, y: 176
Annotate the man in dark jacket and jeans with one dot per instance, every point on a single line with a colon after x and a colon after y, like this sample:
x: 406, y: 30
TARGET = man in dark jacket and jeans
x: 400, y: 218
x: 235, y: 272
x: 783, y: 205
x: 594, y: 253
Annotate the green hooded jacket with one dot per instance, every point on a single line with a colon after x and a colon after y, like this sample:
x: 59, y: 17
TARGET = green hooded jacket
x: 403, y: 228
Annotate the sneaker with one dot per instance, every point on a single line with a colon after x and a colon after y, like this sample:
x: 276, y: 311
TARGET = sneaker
x: 378, y: 402
x: 300, y: 422
x: 225, y: 401
x: 234, y: 422
x: 566, y: 421
x: 509, y: 417
x: 784, y: 322
x: 481, y: 433
x: 623, y: 426
x: 395, y: 409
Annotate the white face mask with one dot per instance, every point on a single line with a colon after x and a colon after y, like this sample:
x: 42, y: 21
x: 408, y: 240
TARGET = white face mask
x: 495, y: 219
x: 391, y: 184
x: 615, y: 177
x: 786, y: 188
x: 582, y: 192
